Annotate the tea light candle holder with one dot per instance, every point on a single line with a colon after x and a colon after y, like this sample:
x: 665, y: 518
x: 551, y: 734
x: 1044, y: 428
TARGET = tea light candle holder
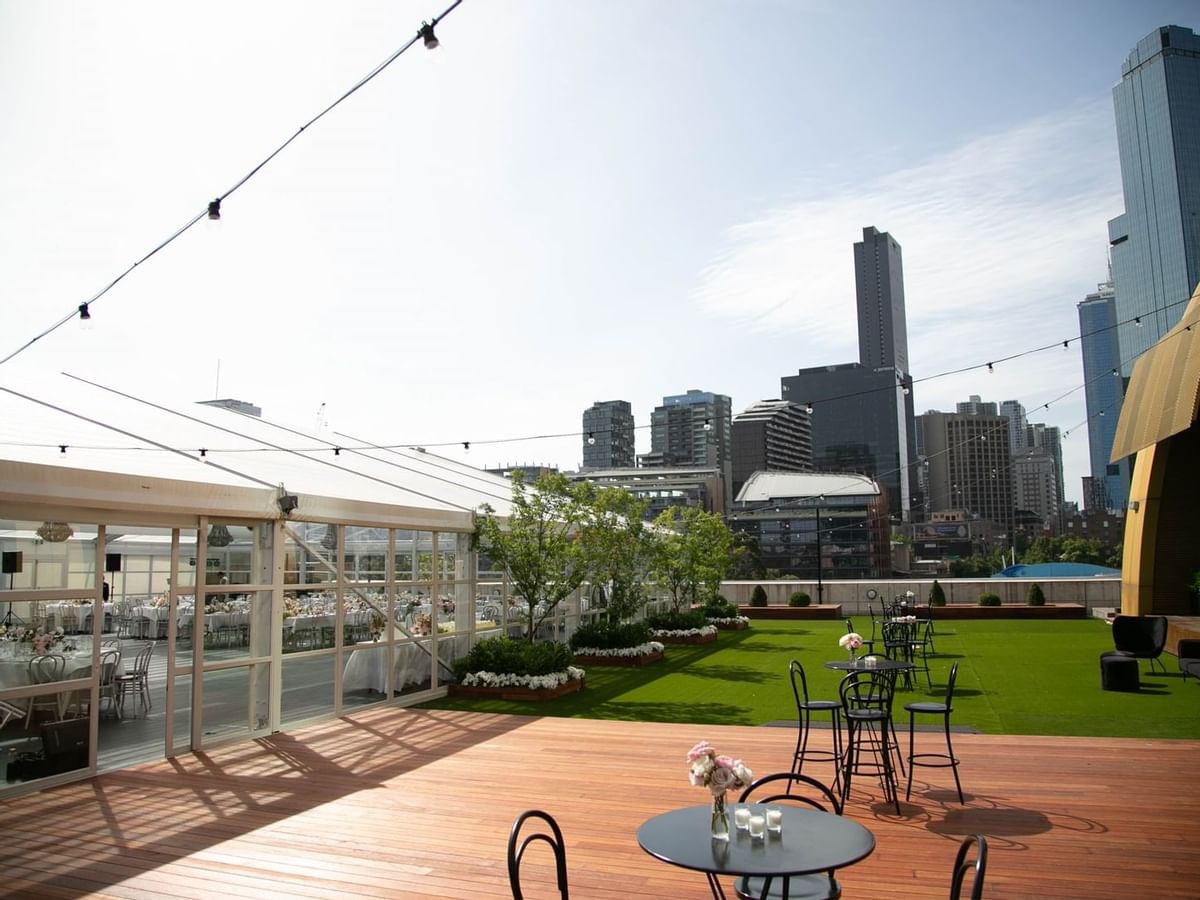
x: 741, y: 818
x: 775, y: 820
x: 758, y: 826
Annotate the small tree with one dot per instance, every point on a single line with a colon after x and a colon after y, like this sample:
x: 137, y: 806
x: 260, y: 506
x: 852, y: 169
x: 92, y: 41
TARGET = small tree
x: 758, y: 597
x: 618, y: 546
x: 937, y: 596
x: 539, y: 546
x: 1036, y: 597
x: 799, y: 598
x: 691, y: 553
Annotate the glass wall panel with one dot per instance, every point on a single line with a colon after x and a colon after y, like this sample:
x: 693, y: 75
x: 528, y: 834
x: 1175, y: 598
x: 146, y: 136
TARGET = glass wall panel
x: 414, y: 556
x: 236, y: 701
x: 310, y: 553
x: 307, y: 688
x: 181, y: 715
x: 236, y: 627
x: 47, y: 556
x: 364, y: 678
x: 50, y: 746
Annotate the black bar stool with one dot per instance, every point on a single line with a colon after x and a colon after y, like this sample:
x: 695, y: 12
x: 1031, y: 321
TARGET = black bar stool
x: 805, y: 707
x: 867, y: 708
x: 935, y: 760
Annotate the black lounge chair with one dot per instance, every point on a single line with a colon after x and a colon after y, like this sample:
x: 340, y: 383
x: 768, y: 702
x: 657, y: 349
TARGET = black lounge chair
x: 1140, y: 637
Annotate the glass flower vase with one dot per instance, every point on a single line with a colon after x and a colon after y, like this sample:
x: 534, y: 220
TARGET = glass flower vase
x: 719, y: 827
x: 853, y: 656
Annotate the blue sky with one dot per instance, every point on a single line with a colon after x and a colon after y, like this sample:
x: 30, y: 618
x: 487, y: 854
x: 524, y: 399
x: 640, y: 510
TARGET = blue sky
x: 566, y: 202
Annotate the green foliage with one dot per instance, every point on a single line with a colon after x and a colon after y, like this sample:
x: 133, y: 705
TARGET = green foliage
x: 1036, y: 596
x: 1066, y: 549
x: 610, y: 635
x: 719, y: 608
x: 677, y: 621
x: 937, y: 595
x: 977, y: 566
x: 758, y: 597
x: 799, y: 598
x: 747, y: 558
x: 692, y: 552
x: 539, y: 547
x: 618, y: 545
x: 989, y: 599
x: 506, y: 656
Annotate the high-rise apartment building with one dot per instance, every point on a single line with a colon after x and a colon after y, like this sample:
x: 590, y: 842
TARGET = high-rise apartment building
x: 693, y: 429
x: 1015, y: 413
x: 1156, y: 241
x: 968, y: 465
x: 608, y: 441
x: 1047, y: 440
x: 771, y: 436
x: 1103, y: 394
x: 1035, y: 488
x: 976, y: 406
x: 862, y: 419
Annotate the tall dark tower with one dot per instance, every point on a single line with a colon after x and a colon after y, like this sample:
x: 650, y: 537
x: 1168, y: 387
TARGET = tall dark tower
x: 879, y: 284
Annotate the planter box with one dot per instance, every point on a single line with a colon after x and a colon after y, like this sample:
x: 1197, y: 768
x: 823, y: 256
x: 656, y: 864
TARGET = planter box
x: 733, y: 626
x: 645, y: 659
x: 1005, y: 611
x: 825, y: 611
x: 515, y: 693
x: 684, y: 638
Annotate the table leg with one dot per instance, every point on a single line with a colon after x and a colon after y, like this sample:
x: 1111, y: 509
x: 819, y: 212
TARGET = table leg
x: 714, y: 885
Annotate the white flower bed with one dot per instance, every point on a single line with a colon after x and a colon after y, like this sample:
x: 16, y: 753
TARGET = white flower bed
x: 640, y: 650
x: 533, y: 682
x: 735, y: 620
x: 687, y: 632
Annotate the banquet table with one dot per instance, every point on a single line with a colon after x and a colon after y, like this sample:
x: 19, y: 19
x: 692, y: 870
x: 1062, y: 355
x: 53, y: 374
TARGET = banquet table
x: 14, y: 669
x: 366, y: 669
x: 73, y: 614
x: 810, y: 842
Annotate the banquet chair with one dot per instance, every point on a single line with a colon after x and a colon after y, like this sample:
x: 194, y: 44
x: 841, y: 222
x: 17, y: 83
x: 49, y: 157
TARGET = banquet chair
x: 868, y: 642
x: 867, y: 709
x: 1140, y: 637
x: 793, y: 789
x: 963, y: 866
x: 80, y: 701
x: 937, y: 760
x: 517, y: 847
x: 137, y: 680
x: 805, y: 707
x: 45, y: 670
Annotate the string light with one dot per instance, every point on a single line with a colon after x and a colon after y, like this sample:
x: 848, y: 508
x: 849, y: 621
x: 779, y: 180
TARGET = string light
x: 808, y: 408
x: 85, y: 314
x: 466, y: 446
x: 214, y: 210
x: 591, y: 438
x: 427, y: 35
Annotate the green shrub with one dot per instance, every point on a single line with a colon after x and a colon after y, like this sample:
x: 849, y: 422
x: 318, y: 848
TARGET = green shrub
x: 799, y: 598
x: 719, y: 608
x: 506, y: 656
x: 758, y: 597
x: 989, y: 599
x: 1036, y: 597
x: 610, y: 635
x: 677, y: 621
x: 937, y: 596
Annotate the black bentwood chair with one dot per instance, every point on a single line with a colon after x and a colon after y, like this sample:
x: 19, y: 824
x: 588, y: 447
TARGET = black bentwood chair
x: 517, y: 847
x: 963, y: 866
x: 937, y: 760
x: 805, y: 707
x: 798, y: 790
x: 867, y: 709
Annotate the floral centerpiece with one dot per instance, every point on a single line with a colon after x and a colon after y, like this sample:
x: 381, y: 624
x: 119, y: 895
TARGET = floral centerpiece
x: 376, y: 626
x: 719, y: 774
x: 40, y: 641
x: 850, y: 642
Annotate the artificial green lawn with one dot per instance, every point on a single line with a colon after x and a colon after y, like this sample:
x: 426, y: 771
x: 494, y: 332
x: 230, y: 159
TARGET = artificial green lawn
x: 1014, y: 677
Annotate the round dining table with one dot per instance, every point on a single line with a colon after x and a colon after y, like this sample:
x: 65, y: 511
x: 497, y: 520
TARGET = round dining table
x: 809, y: 842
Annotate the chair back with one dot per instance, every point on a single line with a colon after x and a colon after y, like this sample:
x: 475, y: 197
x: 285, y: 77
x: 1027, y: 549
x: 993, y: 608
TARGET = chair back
x: 964, y: 866
x: 867, y: 692
x: 799, y: 685
x: 518, y: 845
x: 950, y: 686
x: 898, y: 639
x: 1143, y: 636
x: 44, y: 669
x: 788, y: 787
x: 109, y: 661
x: 141, y: 662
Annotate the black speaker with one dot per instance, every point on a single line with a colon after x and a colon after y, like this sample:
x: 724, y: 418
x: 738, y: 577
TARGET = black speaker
x: 13, y: 562
x: 112, y: 562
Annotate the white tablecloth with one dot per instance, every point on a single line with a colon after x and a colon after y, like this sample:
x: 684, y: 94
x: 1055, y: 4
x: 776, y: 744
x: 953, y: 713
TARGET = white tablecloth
x: 14, y: 670
x: 353, y: 617
x: 366, y: 669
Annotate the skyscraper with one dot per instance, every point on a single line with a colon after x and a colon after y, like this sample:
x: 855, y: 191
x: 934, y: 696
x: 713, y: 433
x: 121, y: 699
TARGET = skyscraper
x: 1156, y: 241
x: 969, y: 465
x: 862, y: 418
x: 693, y: 429
x: 772, y: 436
x: 879, y: 288
x: 608, y: 435
x: 1015, y: 413
x: 1103, y: 394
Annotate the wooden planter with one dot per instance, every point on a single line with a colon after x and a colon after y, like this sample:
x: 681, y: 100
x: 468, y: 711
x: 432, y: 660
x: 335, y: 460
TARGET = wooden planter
x: 516, y: 693
x: 732, y: 626
x: 1005, y: 611
x: 645, y: 659
x: 685, y: 638
x: 825, y: 611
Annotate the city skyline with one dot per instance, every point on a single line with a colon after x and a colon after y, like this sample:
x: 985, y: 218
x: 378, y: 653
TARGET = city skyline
x: 554, y: 206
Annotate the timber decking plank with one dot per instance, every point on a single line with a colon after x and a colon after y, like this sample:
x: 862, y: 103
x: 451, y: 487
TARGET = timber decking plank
x: 418, y: 803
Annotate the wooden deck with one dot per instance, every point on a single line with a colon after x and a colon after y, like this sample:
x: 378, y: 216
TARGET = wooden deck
x: 416, y: 803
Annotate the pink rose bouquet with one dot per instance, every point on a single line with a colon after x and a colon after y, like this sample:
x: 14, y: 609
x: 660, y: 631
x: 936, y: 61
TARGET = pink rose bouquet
x: 716, y: 772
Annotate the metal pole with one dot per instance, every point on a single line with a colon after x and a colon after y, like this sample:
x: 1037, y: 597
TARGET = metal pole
x: 820, y: 586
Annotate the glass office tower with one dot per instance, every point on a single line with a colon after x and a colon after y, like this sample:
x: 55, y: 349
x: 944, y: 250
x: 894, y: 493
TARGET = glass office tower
x: 1103, y: 393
